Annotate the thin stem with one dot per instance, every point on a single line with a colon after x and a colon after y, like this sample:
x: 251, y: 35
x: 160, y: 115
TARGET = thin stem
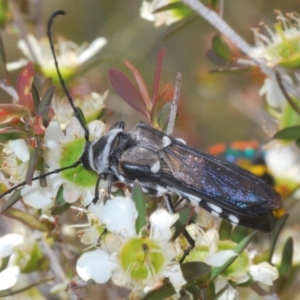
x: 215, y: 20
x: 290, y: 101
x: 55, y: 267
x: 21, y: 26
x: 174, y: 105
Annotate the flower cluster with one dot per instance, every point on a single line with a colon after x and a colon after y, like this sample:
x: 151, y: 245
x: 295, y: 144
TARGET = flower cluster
x: 131, y: 238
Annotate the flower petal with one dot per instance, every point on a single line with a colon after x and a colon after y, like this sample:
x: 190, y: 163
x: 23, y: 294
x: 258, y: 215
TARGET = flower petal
x: 37, y: 196
x: 274, y: 95
x: 20, y: 149
x: 9, y: 277
x: 71, y: 193
x: 96, y: 129
x: 175, y: 276
x: 8, y: 242
x: 264, y: 273
x: 95, y: 265
x: 74, y: 129
x: 161, y: 222
x: 220, y: 258
x: 53, y: 135
x: 119, y: 215
x: 94, y: 47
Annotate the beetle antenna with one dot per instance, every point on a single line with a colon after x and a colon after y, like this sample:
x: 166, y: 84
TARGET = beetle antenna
x: 74, y: 165
x: 62, y: 82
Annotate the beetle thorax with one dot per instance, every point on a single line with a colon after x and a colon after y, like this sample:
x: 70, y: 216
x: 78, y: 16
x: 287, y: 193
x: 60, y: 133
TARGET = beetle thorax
x: 96, y: 153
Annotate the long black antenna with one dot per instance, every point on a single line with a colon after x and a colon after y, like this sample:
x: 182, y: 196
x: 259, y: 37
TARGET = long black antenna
x: 74, y: 165
x: 62, y: 82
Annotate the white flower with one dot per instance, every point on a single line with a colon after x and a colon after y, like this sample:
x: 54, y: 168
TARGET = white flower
x: 284, y: 162
x: 208, y: 239
x: 229, y: 294
x: 282, y: 47
x: 166, y: 17
x: 264, y: 273
x: 8, y: 242
x: 91, y: 106
x: 15, y: 160
x: 131, y: 260
x: 120, y: 208
x: 64, y: 150
x: 9, y: 277
x: 96, y: 265
x: 69, y: 55
x: 273, y: 93
x: 37, y: 196
x: 220, y: 258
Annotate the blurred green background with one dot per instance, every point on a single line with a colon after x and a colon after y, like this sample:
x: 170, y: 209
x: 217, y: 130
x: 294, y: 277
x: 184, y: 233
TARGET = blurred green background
x: 208, y: 112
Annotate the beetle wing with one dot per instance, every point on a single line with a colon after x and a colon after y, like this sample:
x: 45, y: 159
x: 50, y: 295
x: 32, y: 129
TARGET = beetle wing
x: 224, y: 184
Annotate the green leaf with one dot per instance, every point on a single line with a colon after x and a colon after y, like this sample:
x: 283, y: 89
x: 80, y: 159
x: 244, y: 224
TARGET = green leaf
x: 193, y: 270
x: 4, y: 13
x: 170, y: 6
x: 59, y: 209
x: 238, y: 234
x: 14, y: 198
x: 163, y: 117
x: 4, y: 77
x: 34, y: 156
x: 59, y: 199
x: 291, y: 133
x: 26, y: 219
x: 46, y: 99
x: 193, y: 289
x: 138, y: 197
x: 225, y: 230
x: 161, y: 293
x: 184, y: 217
x: 33, y: 260
x: 287, y: 258
x: 275, y: 233
x: 286, y: 264
x: 60, y: 203
x: 239, y: 248
x: 221, y: 48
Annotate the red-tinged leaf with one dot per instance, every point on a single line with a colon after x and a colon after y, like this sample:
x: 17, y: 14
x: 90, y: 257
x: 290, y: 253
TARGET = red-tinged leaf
x: 37, y: 125
x: 7, y: 117
x: 157, y: 75
x: 11, y: 112
x: 11, y: 129
x: 141, y: 84
x: 24, y: 87
x: 127, y: 91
